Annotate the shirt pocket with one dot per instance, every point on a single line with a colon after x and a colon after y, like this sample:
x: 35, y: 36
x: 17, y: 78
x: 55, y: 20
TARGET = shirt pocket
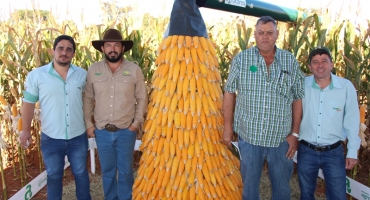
x: 336, y: 109
x: 126, y: 84
x: 100, y: 83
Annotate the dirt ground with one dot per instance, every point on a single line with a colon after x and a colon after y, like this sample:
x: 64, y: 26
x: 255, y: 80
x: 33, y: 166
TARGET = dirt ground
x: 13, y: 183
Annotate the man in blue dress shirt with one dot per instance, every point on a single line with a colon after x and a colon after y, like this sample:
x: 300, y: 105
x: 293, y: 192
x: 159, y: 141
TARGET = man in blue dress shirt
x: 58, y: 87
x: 330, y: 116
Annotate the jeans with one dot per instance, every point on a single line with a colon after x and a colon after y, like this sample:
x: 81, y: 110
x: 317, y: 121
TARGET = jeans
x: 280, y: 169
x: 54, y: 152
x: 116, y: 153
x: 331, y: 162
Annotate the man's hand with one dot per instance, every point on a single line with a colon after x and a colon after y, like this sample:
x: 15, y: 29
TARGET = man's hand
x: 350, y: 163
x: 90, y: 132
x: 133, y: 128
x: 227, y: 137
x: 293, y: 145
x: 25, y: 138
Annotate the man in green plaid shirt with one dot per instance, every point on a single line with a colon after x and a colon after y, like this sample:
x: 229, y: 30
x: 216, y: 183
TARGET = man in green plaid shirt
x: 263, y: 105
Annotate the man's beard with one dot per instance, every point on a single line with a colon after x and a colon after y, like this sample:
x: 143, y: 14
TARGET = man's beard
x: 114, y: 60
x: 62, y: 63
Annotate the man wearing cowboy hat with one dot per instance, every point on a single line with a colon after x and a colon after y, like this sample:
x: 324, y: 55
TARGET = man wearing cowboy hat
x: 116, y: 96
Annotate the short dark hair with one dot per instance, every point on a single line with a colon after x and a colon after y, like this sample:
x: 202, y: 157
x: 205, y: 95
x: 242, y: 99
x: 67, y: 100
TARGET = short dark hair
x: 319, y: 50
x: 65, y: 37
x: 265, y: 20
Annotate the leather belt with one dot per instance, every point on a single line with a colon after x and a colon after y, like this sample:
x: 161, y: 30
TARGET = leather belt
x: 111, y: 127
x: 321, y: 148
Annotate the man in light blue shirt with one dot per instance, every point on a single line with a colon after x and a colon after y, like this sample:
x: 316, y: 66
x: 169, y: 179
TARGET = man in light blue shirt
x: 58, y: 87
x: 330, y: 116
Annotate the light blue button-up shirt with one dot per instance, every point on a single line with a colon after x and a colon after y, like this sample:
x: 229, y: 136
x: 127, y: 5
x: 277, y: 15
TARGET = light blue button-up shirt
x: 60, y: 101
x: 331, y: 114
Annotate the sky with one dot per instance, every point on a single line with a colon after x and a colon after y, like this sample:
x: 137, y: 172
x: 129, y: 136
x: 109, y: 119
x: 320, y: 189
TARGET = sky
x: 90, y: 9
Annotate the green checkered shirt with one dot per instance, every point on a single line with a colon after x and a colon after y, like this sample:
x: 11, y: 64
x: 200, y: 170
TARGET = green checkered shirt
x: 263, y: 111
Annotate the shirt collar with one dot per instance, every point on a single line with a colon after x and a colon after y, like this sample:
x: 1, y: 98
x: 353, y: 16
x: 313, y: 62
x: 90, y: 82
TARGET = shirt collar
x: 334, y: 83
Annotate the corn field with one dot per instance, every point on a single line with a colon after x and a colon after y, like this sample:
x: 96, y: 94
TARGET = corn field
x: 26, y: 43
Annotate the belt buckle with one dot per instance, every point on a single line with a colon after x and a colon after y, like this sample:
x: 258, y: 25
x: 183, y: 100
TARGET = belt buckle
x: 111, y: 127
x: 320, y: 148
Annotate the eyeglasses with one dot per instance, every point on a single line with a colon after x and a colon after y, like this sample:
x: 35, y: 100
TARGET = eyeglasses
x: 266, y: 33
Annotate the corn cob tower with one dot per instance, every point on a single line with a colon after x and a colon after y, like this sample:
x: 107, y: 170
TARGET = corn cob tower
x: 183, y: 157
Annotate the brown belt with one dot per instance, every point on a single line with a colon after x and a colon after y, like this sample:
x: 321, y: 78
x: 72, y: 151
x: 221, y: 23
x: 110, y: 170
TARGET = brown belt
x: 111, y: 127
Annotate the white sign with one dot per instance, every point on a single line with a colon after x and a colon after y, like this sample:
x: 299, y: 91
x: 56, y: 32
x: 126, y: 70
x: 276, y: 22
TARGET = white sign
x: 33, y: 187
x: 239, y: 3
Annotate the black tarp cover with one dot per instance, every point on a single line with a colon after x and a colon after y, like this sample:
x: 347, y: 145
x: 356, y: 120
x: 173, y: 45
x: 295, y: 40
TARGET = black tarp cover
x: 186, y: 19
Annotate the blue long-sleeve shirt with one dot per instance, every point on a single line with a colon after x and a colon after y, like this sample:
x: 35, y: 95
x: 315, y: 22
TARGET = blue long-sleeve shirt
x: 331, y: 114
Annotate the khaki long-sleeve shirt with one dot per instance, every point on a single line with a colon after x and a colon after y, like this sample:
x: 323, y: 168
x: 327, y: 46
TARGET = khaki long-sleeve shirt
x: 118, y: 98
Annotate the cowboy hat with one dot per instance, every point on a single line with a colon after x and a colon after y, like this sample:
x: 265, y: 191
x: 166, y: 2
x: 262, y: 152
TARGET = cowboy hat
x: 112, y: 35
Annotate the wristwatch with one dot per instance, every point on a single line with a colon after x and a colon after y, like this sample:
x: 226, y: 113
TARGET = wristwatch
x: 294, y: 134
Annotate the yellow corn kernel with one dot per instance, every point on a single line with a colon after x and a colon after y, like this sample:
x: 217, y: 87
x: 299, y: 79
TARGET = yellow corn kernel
x: 183, y: 120
x: 203, y: 69
x: 172, y: 149
x: 189, y: 68
x: 185, y: 87
x: 3, y: 101
x: 167, y: 58
x: 211, y: 47
x: 180, y: 138
x: 196, y: 41
x: 166, y: 42
x: 20, y: 124
x: 176, y: 72
x: 173, y: 57
x: 189, y: 121
x: 195, y: 118
x: 160, y: 145
x: 200, y: 54
x: 186, y: 104
x: 182, y: 70
x: 175, y: 165
x: 177, y: 119
x: 174, y: 41
x: 362, y: 113
x: 205, y: 86
x: 180, y: 53
x: 187, y: 55
x: 188, y: 41
x: 174, y: 134
x: 181, y: 167
x: 191, y: 151
x: 194, y: 56
x: 203, y: 43
x: 193, y: 87
x: 199, y: 134
x: 172, y: 88
x: 180, y: 41
x: 14, y: 110
x: 154, y: 177
x: 206, y: 106
x: 164, y: 118
x: 194, y: 162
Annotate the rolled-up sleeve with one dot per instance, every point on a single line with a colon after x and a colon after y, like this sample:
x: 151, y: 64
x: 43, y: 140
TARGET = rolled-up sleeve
x: 30, y: 94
